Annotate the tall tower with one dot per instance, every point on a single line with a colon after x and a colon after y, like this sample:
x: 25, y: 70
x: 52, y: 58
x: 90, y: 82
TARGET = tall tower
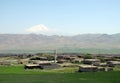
x: 55, y: 56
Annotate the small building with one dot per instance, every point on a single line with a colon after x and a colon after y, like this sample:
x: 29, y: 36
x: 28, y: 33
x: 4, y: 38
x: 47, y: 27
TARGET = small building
x: 103, y: 64
x: 101, y: 69
x: 39, y: 62
x: 42, y: 66
x: 32, y: 66
x: 113, y: 63
x: 68, y: 65
x: 4, y: 63
x: 91, y: 61
x: 49, y: 66
x: 78, y: 60
x: 39, y: 58
x: 87, y: 68
x: 109, y: 69
x: 62, y: 61
x: 108, y: 58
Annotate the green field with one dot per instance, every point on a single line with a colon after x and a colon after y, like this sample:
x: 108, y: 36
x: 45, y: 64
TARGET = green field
x: 16, y: 74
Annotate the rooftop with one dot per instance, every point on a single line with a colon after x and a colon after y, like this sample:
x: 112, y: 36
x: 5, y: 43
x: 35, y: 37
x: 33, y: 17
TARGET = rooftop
x: 91, y: 60
x: 87, y: 66
x: 32, y: 64
x: 115, y: 62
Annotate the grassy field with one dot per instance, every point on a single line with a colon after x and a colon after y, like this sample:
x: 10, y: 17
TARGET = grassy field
x: 16, y: 74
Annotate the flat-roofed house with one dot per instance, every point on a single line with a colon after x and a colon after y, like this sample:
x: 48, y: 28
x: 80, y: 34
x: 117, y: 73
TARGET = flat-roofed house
x: 91, y: 61
x: 42, y: 66
x: 87, y: 68
x: 32, y: 66
x: 113, y: 63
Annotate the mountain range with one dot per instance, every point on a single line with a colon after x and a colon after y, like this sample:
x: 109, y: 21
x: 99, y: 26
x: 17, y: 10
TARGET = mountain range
x: 44, y: 42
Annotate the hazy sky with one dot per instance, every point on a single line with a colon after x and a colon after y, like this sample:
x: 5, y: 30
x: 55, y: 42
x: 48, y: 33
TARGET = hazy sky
x: 66, y: 17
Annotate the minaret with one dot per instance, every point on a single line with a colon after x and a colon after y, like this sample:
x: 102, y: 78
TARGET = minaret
x: 55, y: 56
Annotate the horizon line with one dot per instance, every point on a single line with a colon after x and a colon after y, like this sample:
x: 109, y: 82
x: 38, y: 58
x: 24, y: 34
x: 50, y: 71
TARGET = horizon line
x: 58, y: 34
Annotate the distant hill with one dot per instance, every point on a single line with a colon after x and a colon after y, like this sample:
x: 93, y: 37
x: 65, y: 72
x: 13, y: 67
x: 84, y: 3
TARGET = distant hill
x: 43, y: 42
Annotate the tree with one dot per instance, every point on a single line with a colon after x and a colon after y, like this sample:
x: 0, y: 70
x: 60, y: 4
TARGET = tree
x: 88, y: 56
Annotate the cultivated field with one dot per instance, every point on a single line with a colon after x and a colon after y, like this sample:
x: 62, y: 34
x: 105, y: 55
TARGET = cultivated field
x: 16, y: 74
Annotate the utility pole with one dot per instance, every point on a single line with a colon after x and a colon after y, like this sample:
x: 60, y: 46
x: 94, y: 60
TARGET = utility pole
x: 55, y: 55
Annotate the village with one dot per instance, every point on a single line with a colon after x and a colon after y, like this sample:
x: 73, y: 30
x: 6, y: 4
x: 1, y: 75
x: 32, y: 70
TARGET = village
x: 50, y: 61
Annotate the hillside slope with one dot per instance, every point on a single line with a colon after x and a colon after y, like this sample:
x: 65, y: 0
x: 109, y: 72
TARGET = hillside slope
x: 43, y: 42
